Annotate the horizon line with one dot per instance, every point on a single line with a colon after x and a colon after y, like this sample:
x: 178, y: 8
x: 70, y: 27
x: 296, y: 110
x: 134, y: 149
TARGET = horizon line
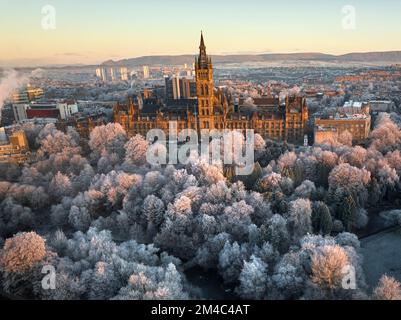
x: 255, y: 54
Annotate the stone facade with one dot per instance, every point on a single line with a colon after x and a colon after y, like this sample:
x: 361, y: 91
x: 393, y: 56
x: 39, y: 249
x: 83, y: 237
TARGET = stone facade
x: 283, y: 122
x: 16, y: 150
x: 358, y: 127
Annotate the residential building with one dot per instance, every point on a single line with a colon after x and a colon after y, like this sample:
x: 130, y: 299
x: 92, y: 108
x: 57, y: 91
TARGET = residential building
x: 27, y: 95
x: 112, y: 73
x: 353, y: 117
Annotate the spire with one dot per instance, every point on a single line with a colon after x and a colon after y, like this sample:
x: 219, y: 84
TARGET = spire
x: 202, y: 43
x: 203, y: 58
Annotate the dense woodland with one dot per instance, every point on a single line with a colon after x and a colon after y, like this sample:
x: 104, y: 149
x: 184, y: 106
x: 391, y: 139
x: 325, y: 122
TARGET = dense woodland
x: 116, y: 228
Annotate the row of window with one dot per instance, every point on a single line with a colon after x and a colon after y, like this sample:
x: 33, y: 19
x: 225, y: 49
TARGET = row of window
x: 230, y: 125
x: 204, y: 90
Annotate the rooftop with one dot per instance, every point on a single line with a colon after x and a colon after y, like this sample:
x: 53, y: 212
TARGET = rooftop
x: 347, y: 116
x: 353, y: 104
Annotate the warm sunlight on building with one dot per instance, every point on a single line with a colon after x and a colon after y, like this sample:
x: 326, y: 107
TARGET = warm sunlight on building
x: 14, y: 148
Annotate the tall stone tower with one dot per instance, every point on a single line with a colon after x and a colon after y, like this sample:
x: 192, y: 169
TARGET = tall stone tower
x: 204, y: 87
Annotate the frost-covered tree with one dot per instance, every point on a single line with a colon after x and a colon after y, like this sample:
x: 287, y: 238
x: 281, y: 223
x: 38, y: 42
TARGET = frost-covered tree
x: 14, y: 217
x: 21, y: 261
x: 205, y: 172
x: 253, y: 279
x: 28, y: 195
x: 356, y: 157
x: 328, y: 264
x: 153, y: 209
x: 119, y: 227
x: 231, y: 261
x: 305, y: 190
x: 53, y: 141
x: 260, y: 143
x: 59, y: 213
x: 269, y: 183
x: 287, y: 282
x: 351, y: 179
x: 136, y: 149
x: 157, y: 284
x: 208, y: 254
x: 92, y: 266
x: 386, y: 136
x: 107, y: 140
x: 9, y: 171
x: 60, y: 186
x: 361, y: 219
x: 22, y: 252
x: 387, y: 289
x: 79, y: 218
x: 299, y: 218
x: 68, y: 287
x: 276, y: 233
x: 236, y: 219
x: 345, y: 138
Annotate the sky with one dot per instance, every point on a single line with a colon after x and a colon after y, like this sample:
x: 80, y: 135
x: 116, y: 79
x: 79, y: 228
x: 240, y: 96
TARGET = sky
x: 92, y: 31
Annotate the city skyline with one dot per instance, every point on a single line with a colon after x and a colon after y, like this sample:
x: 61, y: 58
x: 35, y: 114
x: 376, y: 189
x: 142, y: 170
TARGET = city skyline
x: 90, y: 34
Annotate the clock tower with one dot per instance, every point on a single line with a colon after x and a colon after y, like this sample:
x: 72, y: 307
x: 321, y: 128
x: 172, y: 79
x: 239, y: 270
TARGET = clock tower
x: 204, y: 87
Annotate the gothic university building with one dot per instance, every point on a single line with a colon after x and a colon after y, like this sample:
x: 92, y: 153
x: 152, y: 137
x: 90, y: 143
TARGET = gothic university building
x: 276, y: 120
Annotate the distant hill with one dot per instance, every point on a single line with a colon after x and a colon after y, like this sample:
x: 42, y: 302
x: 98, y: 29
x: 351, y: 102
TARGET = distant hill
x: 371, y: 57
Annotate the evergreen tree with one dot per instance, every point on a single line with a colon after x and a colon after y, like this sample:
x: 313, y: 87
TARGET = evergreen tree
x: 321, y: 218
x: 349, y: 212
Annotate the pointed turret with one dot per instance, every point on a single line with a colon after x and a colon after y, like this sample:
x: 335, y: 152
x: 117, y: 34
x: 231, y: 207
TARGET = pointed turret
x: 203, y: 59
x: 131, y: 107
x: 202, y: 42
x: 225, y: 106
x: 116, y: 110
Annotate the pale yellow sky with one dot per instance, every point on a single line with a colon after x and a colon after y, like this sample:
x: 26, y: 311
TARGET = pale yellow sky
x: 91, y: 32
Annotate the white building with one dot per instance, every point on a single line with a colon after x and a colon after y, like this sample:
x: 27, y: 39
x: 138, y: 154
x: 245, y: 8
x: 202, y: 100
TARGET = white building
x: 67, y: 109
x: 354, y: 107
x: 112, y: 73
x: 20, y: 112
